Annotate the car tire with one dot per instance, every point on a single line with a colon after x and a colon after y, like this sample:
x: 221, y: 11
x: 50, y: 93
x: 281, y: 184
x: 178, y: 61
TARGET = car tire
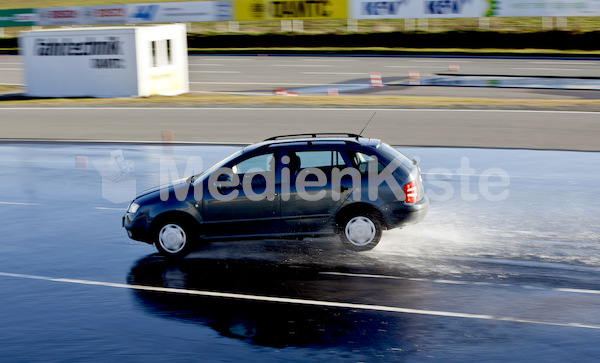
x: 174, y: 239
x: 360, y: 231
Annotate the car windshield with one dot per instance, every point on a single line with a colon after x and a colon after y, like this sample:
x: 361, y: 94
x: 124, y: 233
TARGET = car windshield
x: 208, y: 171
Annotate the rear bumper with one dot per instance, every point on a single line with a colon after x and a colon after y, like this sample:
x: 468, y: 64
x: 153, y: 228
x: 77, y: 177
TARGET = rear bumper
x: 407, y: 214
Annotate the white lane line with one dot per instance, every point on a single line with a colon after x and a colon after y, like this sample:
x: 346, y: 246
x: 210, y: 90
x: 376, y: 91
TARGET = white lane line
x: 38, y: 204
x: 457, y: 282
x: 548, y: 69
x: 451, y: 175
x: 280, y: 84
x: 569, y: 63
x: 106, y: 208
x: 264, y: 109
x: 284, y: 300
x: 220, y: 72
x: 329, y: 60
x: 11, y: 69
x: 135, y: 142
x: 208, y: 64
x: 439, y: 61
x: 436, y: 67
x: 36, y: 161
x: 235, y: 93
x: 337, y: 73
x: 578, y: 291
x: 303, y: 65
x: 18, y: 203
x: 226, y: 59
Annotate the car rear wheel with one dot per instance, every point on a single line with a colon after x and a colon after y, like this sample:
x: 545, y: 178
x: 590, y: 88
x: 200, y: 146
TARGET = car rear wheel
x: 361, y: 231
x: 174, y: 239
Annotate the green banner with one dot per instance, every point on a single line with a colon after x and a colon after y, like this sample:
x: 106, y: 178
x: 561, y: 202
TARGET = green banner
x: 17, y: 17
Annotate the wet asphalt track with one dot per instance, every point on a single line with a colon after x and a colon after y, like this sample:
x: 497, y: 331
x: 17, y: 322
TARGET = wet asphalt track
x: 514, y: 279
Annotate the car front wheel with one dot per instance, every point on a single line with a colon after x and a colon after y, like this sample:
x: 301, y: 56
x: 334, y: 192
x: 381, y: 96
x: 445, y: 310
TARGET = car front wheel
x: 361, y: 232
x: 174, y: 239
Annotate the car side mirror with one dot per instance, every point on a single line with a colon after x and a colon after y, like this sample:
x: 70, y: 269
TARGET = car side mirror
x: 224, y: 178
x: 259, y: 181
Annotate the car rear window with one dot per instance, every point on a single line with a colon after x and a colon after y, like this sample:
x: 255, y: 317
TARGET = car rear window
x: 361, y: 162
x: 395, y: 154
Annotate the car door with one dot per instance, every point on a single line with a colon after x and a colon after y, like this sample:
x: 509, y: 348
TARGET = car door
x: 244, y: 198
x: 308, y: 202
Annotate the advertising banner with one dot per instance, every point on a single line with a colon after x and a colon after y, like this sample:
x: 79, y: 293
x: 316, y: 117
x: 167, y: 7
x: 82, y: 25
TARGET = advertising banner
x: 545, y: 8
x: 290, y: 9
x: 179, y: 12
x: 104, y: 14
x: 59, y: 16
x: 244, y: 10
x: 17, y: 17
x: 398, y: 9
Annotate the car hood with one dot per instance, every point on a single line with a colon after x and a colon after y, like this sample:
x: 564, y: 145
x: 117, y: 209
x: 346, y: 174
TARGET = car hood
x: 156, y: 190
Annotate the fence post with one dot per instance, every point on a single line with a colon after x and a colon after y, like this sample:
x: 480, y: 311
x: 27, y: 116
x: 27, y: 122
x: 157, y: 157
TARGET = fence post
x: 286, y: 26
x: 298, y: 25
x: 547, y: 23
x: 561, y: 23
x: 484, y: 23
x: 352, y: 26
x: 233, y: 26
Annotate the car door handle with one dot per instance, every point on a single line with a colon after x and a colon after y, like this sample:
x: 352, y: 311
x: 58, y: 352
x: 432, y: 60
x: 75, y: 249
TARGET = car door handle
x: 222, y: 188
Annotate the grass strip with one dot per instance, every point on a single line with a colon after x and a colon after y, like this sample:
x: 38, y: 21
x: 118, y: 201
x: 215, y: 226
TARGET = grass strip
x: 209, y: 100
x: 374, y: 51
x: 399, y: 51
x: 6, y: 88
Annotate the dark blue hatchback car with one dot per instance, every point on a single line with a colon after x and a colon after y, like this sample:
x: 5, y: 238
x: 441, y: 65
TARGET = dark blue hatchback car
x: 291, y: 186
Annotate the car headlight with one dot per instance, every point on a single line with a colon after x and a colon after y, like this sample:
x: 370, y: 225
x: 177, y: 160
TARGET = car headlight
x: 133, y: 207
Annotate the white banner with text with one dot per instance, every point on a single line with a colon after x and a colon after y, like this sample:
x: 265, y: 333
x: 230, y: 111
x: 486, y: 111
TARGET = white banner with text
x: 177, y: 12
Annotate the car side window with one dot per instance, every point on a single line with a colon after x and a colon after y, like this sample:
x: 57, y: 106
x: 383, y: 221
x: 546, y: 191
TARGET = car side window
x: 255, y: 164
x: 320, y: 159
x: 324, y: 160
x: 361, y: 162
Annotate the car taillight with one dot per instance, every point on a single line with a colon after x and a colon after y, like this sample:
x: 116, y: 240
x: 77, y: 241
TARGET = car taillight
x: 411, y: 192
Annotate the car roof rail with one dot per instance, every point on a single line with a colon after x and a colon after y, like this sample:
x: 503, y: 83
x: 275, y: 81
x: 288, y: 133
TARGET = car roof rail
x: 315, y: 134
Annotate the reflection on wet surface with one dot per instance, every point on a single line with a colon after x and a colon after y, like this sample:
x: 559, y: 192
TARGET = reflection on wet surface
x: 561, y: 83
x: 259, y: 323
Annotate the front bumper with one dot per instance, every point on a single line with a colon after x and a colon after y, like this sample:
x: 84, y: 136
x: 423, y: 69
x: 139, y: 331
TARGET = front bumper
x: 136, y: 226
